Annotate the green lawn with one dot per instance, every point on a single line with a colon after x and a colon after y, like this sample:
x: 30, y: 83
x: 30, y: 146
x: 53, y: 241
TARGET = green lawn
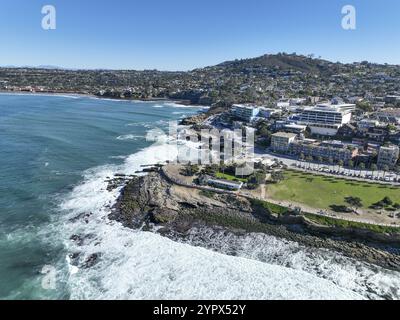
x: 320, y: 192
x: 229, y: 177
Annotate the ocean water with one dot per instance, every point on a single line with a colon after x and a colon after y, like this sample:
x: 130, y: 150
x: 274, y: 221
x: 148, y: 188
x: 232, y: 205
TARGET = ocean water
x: 56, y: 154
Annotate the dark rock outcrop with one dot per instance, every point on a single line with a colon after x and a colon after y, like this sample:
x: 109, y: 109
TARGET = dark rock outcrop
x: 153, y: 201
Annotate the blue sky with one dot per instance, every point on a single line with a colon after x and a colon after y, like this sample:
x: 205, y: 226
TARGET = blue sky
x: 185, y: 34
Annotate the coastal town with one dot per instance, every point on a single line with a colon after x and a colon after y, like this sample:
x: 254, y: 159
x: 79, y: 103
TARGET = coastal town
x: 200, y: 158
x: 262, y: 80
x: 333, y: 127
x: 332, y: 139
x: 321, y: 175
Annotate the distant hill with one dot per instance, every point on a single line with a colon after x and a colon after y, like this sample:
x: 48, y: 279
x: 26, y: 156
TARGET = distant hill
x: 262, y: 80
x: 282, y: 62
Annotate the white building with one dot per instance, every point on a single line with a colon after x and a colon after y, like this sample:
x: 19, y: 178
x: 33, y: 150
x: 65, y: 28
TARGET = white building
x: 297, y: 101
x: 268, y: 112
x: 280, y: 141
x: 326, y: 119
x: 294, y: 128
x: 392, y: 99
x: 366, y: 124
x: 225, y: 184
x: 245, y: 112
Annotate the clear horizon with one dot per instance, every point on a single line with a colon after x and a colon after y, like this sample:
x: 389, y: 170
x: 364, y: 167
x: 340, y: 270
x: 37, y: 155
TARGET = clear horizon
x: 178, y: 35
x: 166, y: 70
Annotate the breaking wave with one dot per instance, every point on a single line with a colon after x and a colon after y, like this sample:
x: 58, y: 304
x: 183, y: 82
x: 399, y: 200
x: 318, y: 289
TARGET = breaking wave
x: 132, y: 264
x: 130, y: 137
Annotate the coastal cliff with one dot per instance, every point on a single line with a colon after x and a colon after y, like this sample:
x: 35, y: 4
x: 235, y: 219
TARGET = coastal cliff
x: 155, y: 204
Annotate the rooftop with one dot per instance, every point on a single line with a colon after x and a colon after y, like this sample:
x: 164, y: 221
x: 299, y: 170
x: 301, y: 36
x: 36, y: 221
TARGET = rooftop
x: 284, y: 135
x: 226, y: 182
x: 295, y: 126
x: 245, y: 106
x: 331, y: 107
x: 391, y: 148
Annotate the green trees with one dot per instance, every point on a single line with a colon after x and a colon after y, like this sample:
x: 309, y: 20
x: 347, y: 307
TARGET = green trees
x: 190, y: 170
x: 263, y: 134
x: 277, y: 176
x: 364, y: 106
x: 256, y: 179
x: 354, y: 202
x: 211, y: 169
x: 387, y: 201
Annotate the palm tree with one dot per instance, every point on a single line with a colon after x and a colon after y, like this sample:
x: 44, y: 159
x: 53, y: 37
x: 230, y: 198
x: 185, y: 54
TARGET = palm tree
x: 309, y: 159
x: 340, y: 164
x: 397, y: 171
x: 320, y: 160
x: 385, y: 169
x: 330, y: 160
x: 362, y: 167
x: 302, y: 157
x: 222, y: 166
x: 374, y: 167
x: 351, y: 164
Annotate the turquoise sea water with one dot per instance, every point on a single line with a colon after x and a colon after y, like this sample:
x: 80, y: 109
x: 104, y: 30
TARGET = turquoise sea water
x: 46, y: 143
x: 55, y: 155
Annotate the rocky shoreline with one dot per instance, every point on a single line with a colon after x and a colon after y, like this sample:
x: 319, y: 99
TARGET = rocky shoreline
x: 154, y: 204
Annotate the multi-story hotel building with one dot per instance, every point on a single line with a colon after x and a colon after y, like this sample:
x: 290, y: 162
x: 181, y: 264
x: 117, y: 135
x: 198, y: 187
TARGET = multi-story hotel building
x: 281, y: 141
x: 326, y: 119
x: 245, y: 112
x: 335, y: 150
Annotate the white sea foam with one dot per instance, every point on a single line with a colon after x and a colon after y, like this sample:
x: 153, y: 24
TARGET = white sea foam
x: 179, y: 112
x: 130, y: 137
x: 118, y: 157
x: 38, y: 94
x: 141, y: 265
x: 109, y: 99
x: 178, y: 105
x: 370, y: 281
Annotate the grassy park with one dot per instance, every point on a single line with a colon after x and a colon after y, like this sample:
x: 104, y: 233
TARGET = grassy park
x: 229, y: 177
x: 321, y: 192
